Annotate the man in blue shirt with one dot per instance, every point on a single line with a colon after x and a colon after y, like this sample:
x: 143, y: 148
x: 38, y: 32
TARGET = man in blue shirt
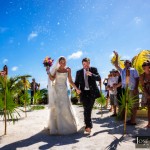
x: 130, y: 78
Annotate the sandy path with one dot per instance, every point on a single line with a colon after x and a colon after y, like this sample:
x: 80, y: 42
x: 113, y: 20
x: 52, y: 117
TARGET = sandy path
x: 30, y: 133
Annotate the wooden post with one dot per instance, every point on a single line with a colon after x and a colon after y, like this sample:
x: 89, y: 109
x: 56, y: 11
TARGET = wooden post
x: 5, y: 69
x: 24, y: 81
x: 101, y: 111
x: 126, y: 108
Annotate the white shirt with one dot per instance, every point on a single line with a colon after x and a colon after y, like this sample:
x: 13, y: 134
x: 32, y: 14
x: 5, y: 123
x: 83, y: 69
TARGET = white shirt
x: 84, y: 79
x: 111, y: 81
x: 133, y: 76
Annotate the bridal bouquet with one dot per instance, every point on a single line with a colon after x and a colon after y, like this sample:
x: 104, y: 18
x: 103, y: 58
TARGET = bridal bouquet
x: 48, y: 62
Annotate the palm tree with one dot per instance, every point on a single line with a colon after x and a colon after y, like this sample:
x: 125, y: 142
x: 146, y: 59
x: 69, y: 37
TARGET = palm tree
x: 7, y: 105
x: 26, y: 86
x: 9, y: 90
x: 44, y: 94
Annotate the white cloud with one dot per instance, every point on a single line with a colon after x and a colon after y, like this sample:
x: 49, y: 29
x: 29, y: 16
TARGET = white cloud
x: 32, y: 36
x: 5, y: 61
x: 11, y: 40
x: 3, y: 29
x: 137, y: 20
x: 125, y: 57
x: 15, y: 68
x: 111, y: 55
x: 75, y: 55
x: 138, y: 49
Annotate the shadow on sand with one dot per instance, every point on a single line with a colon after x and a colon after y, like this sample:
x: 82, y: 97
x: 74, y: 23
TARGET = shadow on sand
x: 48, y: 140
x: 114, y: 127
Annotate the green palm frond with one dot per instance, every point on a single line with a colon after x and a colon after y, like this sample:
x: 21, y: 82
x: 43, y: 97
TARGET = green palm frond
x: 126, y: 98
x: 11, y: 107
x: 37, y: 97
x: 139, y: 59
x: 101, y: 100
x: 25, y: 98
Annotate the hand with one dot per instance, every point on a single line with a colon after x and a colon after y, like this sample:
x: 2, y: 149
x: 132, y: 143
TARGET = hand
x: 78, y: 91
x: 88, y: 73
x: 116, y: 54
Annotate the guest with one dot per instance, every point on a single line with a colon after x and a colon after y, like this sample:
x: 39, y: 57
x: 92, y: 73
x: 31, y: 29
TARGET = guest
x: 105, y: 82
x: 130, y: 79
x: 34, y: 87
x: 145, y: 82
x: 113, y: 80
x: 118, y: 87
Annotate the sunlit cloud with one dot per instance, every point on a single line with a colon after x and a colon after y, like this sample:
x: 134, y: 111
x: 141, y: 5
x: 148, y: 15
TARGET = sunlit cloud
x: 111, y: 55
x: 125, y: 57
x: 5, y: 61
x: 15, y: 68
x: 32, y: 36
x: 138, y: 49
x: 137, y: 20
x: 75, y: 55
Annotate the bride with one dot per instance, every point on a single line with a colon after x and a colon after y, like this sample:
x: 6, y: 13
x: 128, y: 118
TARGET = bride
x: 62, y: 119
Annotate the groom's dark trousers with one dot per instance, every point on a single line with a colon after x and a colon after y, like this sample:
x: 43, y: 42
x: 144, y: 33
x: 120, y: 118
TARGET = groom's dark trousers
x: 88, y: 102
x: 87, y: 97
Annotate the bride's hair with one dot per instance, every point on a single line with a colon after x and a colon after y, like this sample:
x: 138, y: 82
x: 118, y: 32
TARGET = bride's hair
x: 62, y: 58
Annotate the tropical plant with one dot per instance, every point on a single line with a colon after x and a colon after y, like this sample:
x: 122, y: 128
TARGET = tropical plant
x: 44, y: 94
x: 101, y: 101
x: 7, y: 105
x: 138, y: 60
x: 37, y: 97
x: 74, y: 96
x: 126, y: 104
x: 10, y: 89
x: 26, y: 86
x: 38, y: 107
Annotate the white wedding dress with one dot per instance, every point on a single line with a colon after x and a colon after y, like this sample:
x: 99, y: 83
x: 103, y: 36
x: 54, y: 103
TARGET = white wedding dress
x: 62, y: 118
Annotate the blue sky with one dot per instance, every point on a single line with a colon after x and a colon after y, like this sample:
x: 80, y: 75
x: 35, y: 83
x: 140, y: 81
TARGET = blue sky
x: 30, y: 30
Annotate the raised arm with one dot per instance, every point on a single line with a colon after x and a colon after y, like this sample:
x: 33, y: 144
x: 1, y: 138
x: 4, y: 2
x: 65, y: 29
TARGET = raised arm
x: 116, y: 61
x: 51, y: 77
x: 94, y: 74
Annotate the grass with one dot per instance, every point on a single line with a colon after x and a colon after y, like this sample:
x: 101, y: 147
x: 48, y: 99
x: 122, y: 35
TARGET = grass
x: 37, y: 107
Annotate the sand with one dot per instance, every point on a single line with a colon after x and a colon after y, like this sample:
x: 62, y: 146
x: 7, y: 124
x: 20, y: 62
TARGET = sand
x: 30, y: 133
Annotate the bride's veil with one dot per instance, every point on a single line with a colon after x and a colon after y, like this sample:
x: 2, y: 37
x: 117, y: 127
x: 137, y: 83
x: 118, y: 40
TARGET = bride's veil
x: 51, y: 90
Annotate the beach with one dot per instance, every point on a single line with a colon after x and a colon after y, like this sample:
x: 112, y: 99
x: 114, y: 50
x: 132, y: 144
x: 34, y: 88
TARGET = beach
x: 31, y: 133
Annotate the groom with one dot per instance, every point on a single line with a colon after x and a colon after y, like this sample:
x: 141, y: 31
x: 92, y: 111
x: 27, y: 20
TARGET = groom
x: 86, y: 81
